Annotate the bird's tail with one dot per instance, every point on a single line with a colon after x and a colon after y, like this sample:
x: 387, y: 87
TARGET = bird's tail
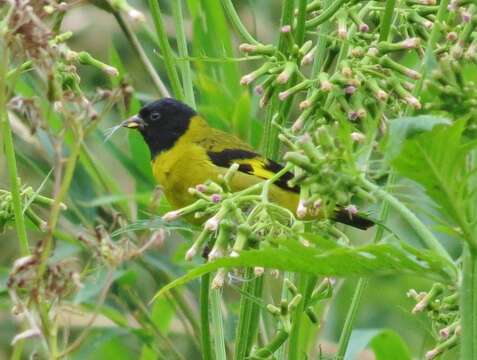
x: 358, y: 221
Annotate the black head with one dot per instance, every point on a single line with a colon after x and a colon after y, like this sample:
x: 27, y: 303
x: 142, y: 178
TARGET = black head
x: 161, y: 123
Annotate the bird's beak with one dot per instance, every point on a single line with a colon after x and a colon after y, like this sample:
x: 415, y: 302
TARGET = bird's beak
x: 134, y: 122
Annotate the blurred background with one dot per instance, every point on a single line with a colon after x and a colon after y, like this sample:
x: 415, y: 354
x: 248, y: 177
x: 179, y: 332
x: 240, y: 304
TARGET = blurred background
x: 118, y: 190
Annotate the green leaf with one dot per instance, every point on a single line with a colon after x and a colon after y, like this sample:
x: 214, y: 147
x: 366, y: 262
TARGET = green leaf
x: 407, y: 127
x: 162, y: 314
x: 241, y: 119
x: 368, y: 260
x: 385, y: 343
x: 111, y: 199
x: 140, y: 154
x: 388, y: 345
x: 437, y: 161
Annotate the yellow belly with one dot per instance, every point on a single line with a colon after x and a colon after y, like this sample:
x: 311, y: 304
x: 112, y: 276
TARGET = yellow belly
x: 186, y: 166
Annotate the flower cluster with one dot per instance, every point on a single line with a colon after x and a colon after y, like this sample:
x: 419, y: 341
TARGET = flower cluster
x: 29, y: 197
x: 361, y: 79
x: 442, y: 307
x: 235, y: 220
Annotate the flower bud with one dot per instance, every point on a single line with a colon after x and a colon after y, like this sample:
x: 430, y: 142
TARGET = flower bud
x: 191, y: 253
x: 219, y: 279
x: 257, y: 49
x: 357, y: 136
x: 351, y: 210
x: 308, y: 57
x: 247, y: 79
x: 285, y: 29
x: 258, y: 271
x: 287, y: 72
x: 212, y: 224
x: 350, y: 90
x: 216, y: 198
x: 301, y: 210
x: 171, y: 215
x: 201, y: 188
x: 452, y: 36
x: 363, y: 27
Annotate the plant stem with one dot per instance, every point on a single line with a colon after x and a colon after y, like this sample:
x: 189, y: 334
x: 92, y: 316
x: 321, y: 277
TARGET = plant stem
x: 270, y: 133
x: 350, y: 317
x: 204, y: 318
x: 300, y: 24
x: 327, y: 14
x: 244, y: 317
x: 321, y: 45
x: 468, y: 305
x: 295, y: 351
x: 10, y: 156
x: 169, y: 60
x: 84, y: 334
x: 424, y: 233
x: 162, y: 276
x: 442, y: 14
x: 184, y: 65
x: 387, y: 20
x: 217, y: 324
x: 361, y: 286
x: 235, y: 20
x: 136, y: 45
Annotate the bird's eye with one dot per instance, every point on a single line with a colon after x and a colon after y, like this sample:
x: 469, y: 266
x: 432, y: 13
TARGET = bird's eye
x: 155, y: 116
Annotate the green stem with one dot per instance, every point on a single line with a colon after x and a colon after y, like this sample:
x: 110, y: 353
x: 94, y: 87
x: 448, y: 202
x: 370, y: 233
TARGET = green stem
x: 10, y: 156
x: 350, y: 317
x: 327, y: 14
x: 166, y: 50
x: 441, y: 16
x: 235, y: 20
x: 217, y: 324
x: 321, y: 46
x: 264, y: 353
x: 295, y: 351
x: 184, y: 65
x: 286, y: 19
x: 163, y: 277
x: 468, y: 304
x: 300, y: 24
x: 270, y: 133
x: 204, y: 318
x: 387, y: 20
x: 424, y: 233
x: 136, y: 45
x: 361, y: 286
x: 255, y: 313
x: 282, y: 353
x: 245, y: 313
x: 47, y: 243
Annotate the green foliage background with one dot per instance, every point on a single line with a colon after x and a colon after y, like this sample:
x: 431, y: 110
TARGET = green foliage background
x: 114, y: 177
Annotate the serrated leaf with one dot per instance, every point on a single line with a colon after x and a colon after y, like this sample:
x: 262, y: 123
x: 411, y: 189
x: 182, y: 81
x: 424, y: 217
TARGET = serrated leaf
x: 407, y: 127
x: 368, y: 260
x: 437, y: 161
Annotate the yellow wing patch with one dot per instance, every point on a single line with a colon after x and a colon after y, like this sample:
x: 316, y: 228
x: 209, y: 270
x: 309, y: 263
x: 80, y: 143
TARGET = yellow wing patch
x: 258, y: 167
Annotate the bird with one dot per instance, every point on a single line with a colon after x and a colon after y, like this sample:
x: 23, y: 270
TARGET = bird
x: 186, y: 151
